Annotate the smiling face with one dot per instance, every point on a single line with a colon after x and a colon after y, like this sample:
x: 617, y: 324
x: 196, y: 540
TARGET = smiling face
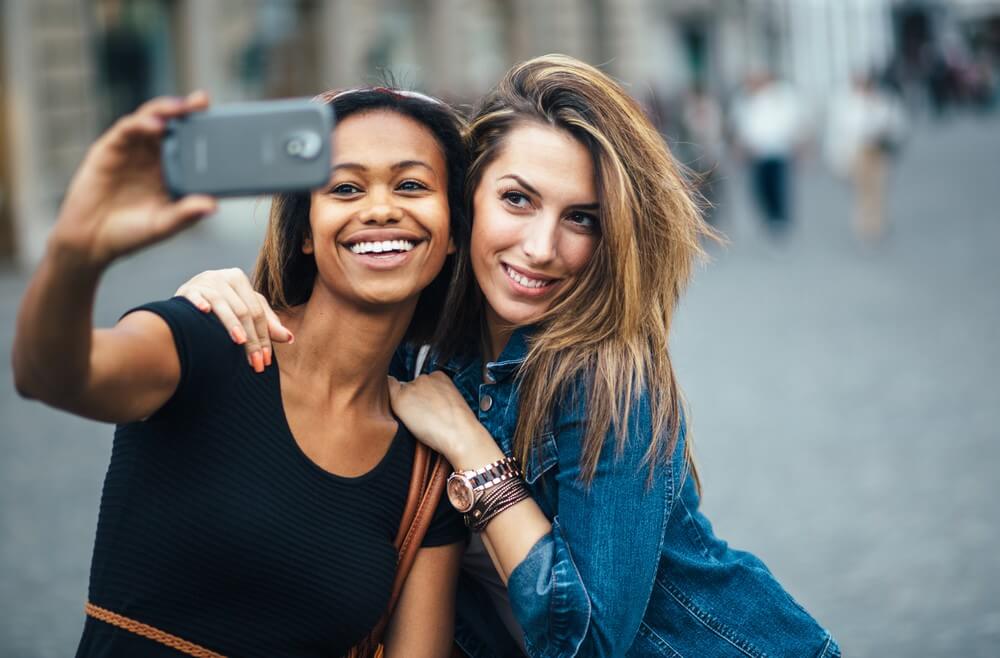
x: 535, y: 223
x: 380, y: 229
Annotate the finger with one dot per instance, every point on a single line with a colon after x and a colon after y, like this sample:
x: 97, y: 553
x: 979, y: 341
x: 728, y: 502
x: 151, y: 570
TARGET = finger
x: 139, y: 125
x: 194, y: 296
x: 394, y: 388
x: 279, y: 333
x: 252, y: 345
x: 180, y: 214
x: 197, y: 100
x: 169, y: 107
x: 221, y: 309
x: 241, y: 286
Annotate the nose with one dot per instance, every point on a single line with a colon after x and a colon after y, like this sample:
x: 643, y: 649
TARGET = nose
x: 539, y: 240
x: 382, y: 210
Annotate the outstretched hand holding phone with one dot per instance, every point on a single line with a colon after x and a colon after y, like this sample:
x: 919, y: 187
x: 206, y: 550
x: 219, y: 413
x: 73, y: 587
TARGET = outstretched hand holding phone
x: 116, y: 204
x: 117, y: 201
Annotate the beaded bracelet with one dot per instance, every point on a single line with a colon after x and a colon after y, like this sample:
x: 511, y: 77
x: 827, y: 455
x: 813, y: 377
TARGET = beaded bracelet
x: 496, y: 500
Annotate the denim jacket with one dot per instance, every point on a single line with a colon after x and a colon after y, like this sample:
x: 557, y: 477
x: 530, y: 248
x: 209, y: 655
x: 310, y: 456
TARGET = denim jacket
x: 630, y: 568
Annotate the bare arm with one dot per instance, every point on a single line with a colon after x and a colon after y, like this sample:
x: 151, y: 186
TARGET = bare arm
x: 116, y: 204
x: 423, y: 621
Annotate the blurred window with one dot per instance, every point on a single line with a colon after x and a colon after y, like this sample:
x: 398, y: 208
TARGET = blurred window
x: 274, y: 51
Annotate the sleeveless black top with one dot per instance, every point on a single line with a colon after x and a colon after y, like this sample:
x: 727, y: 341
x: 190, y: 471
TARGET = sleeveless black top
x: 215, y: 526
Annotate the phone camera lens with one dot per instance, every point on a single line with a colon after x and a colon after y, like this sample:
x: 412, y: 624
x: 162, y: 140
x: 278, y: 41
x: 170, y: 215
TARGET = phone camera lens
x: 304, y: 145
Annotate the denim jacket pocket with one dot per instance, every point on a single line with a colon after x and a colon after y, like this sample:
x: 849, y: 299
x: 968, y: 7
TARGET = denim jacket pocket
x: 542, y: 457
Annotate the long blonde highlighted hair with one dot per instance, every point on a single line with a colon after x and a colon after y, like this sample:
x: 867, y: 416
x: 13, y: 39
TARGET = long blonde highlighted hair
x: 611, y: 328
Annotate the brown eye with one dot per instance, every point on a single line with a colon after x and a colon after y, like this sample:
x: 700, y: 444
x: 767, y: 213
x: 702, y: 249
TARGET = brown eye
x: 585, y: 221
x: 344, y: 189
x: 516, y: 199
x: 411, y: 186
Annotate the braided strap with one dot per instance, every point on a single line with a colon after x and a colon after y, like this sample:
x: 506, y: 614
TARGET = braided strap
x: 495, y: 501
x: 149, y: 632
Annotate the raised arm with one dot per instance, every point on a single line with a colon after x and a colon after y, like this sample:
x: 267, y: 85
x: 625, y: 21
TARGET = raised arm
x: 116, y: 204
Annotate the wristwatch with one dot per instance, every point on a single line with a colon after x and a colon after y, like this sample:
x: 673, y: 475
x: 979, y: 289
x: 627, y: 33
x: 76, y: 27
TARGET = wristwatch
x: 465, y: 487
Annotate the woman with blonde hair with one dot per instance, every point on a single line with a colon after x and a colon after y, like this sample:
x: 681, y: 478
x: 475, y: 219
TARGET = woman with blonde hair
x: 555, y: 399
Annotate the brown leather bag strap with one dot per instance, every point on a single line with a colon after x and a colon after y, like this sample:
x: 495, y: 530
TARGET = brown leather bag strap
x: 426, y: 487
x: 421, y: 523
x: 432, y: 478
x: 418, y: 482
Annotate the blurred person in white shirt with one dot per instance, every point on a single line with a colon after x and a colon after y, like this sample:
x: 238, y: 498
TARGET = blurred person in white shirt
x: 865, y: 128
x: 768, y: 125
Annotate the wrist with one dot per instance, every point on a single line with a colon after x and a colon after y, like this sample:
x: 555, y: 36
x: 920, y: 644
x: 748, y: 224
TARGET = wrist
x: 74, y: 251
x: 475, y: 449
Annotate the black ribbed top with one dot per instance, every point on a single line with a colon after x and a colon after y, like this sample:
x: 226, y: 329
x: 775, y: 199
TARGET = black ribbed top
x: 215, y: 526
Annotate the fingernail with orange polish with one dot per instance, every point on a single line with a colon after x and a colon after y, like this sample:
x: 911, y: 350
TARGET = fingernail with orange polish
x: 267, y: 355
x: 239, y: 336
x: 258, y: 362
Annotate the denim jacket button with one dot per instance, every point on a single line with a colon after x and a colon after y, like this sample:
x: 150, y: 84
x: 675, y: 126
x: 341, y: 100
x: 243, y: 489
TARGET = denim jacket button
x: 485, y: 403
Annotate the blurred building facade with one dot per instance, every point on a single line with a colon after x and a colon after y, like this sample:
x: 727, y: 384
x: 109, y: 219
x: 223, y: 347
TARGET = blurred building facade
x: 69, y: 67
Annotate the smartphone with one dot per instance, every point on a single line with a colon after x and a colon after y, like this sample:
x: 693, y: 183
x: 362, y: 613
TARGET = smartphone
x: 246, y: 149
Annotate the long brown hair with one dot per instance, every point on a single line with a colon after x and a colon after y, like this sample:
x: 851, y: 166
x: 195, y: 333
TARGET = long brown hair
x: 285, y: 275
x: 611, y: 329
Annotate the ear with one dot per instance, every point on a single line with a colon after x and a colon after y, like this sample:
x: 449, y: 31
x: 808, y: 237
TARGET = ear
x: 451, y: 247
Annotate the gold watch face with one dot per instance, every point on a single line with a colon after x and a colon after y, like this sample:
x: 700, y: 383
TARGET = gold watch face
x: 460, y: 493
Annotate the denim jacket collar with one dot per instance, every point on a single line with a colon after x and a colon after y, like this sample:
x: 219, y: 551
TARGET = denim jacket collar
x: 511, y: 358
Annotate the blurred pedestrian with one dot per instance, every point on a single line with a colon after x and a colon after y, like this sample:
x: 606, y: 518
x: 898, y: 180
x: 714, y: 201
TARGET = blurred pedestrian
x: 703, y: 143
x: 768, y: 124
x: 865, y: 129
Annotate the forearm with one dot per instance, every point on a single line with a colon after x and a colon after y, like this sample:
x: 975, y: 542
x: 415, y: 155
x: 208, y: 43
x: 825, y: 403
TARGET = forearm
x: 512, y: 533
x: 52, y: 346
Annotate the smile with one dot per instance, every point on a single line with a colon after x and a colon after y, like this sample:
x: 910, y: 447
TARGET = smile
x: 533, y: 284
x: 382, y: 247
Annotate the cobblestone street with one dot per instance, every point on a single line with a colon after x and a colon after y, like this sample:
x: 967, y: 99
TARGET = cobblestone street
x: 843, y: 403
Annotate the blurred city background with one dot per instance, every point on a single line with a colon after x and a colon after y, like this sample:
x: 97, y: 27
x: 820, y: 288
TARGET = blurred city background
x: 839, y: 355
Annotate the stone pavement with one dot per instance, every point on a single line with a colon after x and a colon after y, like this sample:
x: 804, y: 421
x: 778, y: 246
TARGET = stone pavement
x: 842, y: 398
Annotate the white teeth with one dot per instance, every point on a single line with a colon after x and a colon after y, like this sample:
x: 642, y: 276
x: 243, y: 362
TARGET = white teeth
x: 525, y: 281
x: 382, y: 246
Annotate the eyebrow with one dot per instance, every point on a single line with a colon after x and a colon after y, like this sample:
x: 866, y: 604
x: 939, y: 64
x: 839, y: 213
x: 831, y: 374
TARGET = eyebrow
x: 526, y: 185
x: 405, y: 164
x: 523, y: 183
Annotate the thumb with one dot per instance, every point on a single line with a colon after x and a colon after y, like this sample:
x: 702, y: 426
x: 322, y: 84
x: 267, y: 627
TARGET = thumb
x: 178, y: 215
x: 395, y: 387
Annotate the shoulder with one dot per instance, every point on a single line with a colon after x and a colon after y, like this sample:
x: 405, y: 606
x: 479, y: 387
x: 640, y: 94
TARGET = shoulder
x: 630, y: 436
x: 183, y: 318
x: 204, y: 348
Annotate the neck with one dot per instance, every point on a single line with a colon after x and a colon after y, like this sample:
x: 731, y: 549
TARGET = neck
x: 344, y: 350
x: 496, y: 334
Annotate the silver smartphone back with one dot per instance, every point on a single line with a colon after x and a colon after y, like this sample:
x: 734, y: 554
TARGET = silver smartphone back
x: 245, y: 149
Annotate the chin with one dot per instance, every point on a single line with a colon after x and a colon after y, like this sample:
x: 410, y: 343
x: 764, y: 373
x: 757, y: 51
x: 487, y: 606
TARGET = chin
x: 517, y: 313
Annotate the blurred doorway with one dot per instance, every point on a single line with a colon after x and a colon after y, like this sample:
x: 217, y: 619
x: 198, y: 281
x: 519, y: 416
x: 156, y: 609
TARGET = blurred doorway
x: 135, y: 53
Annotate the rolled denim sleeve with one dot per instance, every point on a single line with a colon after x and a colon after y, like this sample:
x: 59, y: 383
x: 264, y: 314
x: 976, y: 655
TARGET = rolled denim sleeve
x: 583, y: 588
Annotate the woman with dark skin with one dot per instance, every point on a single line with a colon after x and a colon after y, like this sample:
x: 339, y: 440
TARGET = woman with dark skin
x: 255, y: 517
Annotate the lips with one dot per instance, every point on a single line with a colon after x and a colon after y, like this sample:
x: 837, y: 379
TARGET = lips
x: 528, y: 283
x: 382, y: 246
x: 382, y: 249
